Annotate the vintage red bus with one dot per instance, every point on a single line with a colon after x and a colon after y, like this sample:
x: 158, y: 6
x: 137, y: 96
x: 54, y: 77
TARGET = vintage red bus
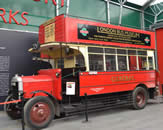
x: 110, y: 65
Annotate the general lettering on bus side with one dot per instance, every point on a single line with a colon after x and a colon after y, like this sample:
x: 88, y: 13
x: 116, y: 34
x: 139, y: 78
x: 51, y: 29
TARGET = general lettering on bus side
x: 122, y: 78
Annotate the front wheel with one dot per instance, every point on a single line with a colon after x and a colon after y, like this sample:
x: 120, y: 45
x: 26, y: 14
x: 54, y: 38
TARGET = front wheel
x: 38, y: 112
x: 140, y: 97
x: 12, y: 110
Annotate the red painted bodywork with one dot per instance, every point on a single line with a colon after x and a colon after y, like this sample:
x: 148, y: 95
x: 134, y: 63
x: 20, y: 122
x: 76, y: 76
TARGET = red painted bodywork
x: 66, y: 31
x: 110, y: 82
x: 92, y: 84
x: 46, y: 80
x: 41, y: 34
x: 159, y: 37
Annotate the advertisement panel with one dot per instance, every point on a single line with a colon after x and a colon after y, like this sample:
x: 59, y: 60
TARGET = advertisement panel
x: 107, y: 34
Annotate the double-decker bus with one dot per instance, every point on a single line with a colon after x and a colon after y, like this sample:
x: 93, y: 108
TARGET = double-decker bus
x: 108, y: 65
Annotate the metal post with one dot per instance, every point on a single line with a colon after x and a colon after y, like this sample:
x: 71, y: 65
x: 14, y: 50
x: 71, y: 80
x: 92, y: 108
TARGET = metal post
x: 155, y: 20
x: 156, y: 58
x: 142, y: 20
x: 57, y: 8
x: 22, y: 105
x: 86, y: 108
x: 120, y: 14
x: 121, y: 2
x: 108, y: 10
x: 61, y: 56
x: 67, y: 8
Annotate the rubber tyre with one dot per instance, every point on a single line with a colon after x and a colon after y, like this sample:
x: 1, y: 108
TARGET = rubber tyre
x: 11, y: 110
x: 139, y: 97
x: 34, y: 103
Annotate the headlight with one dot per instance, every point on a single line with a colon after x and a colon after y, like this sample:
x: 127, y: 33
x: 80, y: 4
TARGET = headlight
x: 17, y: 84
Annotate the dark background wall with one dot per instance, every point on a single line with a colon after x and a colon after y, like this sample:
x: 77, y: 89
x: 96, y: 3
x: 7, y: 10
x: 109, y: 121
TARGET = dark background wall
x: 14, y: 57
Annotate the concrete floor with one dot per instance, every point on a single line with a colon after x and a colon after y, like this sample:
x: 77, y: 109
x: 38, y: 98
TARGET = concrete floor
x: 150, y: 118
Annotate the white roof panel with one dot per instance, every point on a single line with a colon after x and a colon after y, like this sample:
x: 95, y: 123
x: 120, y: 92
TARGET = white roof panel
x: 157, y: 2
x: 138, y: 2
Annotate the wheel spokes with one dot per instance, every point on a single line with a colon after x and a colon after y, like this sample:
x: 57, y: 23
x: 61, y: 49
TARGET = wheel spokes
x: 140, y: 98
x: 40, y: 112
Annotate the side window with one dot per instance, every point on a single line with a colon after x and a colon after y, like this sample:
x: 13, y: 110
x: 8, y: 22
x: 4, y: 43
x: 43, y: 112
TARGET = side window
x: 110, y: 51
x: 122, y: 63
x: 142, y: 63
x: 96, y: 62
x: 95, y: 50
x: 150, y: 61
x: 122, y: 59
x: 142, y: 59
x: 132, y: 59
x: 132, y: 63
x: 110, y: 59
x: 60, y: 63
x: 110, y: 63
x: 121, y: 51
x: 79, y: 61
x: 69, y: 62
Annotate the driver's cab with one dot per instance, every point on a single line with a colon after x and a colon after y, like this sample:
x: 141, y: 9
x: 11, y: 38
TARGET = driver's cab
x: 70, y: 58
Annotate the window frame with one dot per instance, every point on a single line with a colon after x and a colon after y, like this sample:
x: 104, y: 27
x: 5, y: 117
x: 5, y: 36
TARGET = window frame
x: 127, y: 57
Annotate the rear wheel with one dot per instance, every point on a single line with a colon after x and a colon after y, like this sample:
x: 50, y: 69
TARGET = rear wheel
x: 12, y: 110
x: 140, y: 96
x: 39, y: 112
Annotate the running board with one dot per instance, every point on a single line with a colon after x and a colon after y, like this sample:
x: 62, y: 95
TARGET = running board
x: 99, y: 104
